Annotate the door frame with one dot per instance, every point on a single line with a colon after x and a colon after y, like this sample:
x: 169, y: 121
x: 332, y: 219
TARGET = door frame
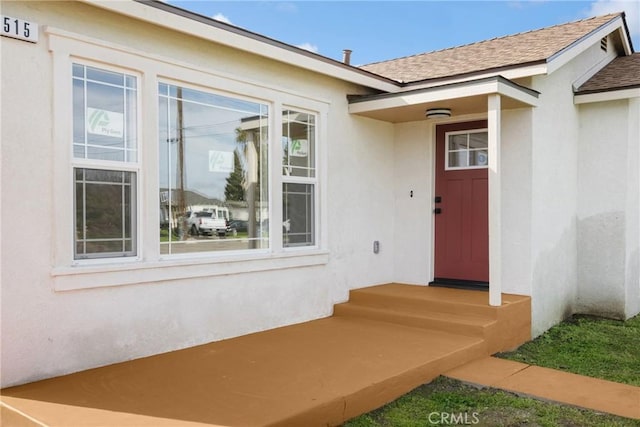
x: 479, y: 122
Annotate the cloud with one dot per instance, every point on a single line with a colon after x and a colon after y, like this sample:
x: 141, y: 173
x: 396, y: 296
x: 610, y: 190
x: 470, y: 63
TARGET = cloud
x: 308, y: 46
x: 220, y: 17
x: 632, y: 9
x: 286, y: 7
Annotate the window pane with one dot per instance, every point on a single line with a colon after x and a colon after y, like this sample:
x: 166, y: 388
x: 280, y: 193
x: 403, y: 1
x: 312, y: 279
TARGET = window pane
x: 478, y: 140
x: 478, y: 158
x: 298, y: 144
x: 103, y: 76
x: 104, y: 114
x: 298, y: 214
x: 458, y: 142
x: 467, y: 150
x: 213, y: 158
x: 458, y: 159
x: 105, y: 213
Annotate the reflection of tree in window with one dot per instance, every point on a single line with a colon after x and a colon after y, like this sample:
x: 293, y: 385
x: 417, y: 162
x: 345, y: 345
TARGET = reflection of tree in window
x: 234, y: 190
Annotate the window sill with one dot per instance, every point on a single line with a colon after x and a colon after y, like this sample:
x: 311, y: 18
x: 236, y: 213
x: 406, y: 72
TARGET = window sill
x: 120, y: 274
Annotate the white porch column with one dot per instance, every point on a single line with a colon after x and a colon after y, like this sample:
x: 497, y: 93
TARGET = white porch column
x: 495, y: 202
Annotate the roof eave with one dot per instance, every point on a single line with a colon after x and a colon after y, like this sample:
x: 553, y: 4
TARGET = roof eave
x: 613, y: 94
x: 510, y: 72
x: 485, y: 86
x: 180, y: 20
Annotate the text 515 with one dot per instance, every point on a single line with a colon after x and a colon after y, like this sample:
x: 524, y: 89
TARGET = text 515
x: 19, y: 29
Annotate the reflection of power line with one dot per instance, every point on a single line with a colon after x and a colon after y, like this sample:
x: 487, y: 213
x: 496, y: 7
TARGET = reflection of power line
x: 182, y: 205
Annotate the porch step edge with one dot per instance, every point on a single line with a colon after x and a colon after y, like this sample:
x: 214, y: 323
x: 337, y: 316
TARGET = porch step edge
x: 464, y: 324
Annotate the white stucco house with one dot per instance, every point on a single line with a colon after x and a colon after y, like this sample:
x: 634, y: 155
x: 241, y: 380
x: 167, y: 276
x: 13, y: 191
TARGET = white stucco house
x: 512, y: 162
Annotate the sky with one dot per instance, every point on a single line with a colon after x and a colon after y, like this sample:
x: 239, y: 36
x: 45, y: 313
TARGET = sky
x: 380, y: 30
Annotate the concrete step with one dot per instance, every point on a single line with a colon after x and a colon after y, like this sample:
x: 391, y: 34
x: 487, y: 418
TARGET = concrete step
x: 465, y: 312
x: 424, y: 298
x: 464, y: 324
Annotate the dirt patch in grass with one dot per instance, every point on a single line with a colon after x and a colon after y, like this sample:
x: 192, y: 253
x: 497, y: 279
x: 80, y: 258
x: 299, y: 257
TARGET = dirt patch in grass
x: 587, y: 345
x: 445, y: 401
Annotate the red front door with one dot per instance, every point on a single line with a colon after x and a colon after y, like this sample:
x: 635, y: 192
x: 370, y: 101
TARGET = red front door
x: 461, y: 215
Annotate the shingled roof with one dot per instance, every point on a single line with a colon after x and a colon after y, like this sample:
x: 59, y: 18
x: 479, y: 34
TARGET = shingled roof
x: 516, y: 50
x: 621, y: 73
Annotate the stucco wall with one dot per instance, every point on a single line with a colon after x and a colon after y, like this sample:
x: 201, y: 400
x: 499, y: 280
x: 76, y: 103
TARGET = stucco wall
x: 555, y: 190
x: 414, y: 151
x: 632, y: 279
x: 608, y: 209
x: 48, y: 332
x: 602, y: 216
x: 516, y: 140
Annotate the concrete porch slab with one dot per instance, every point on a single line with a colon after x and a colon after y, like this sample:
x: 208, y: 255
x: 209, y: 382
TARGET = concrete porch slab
x: 386, y: 341
x: 317, y: 373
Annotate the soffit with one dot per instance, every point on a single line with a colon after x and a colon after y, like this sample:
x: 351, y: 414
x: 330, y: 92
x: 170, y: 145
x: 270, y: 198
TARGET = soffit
x: 462, y: 98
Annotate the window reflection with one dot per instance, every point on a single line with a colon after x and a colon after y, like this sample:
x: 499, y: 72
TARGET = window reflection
x: 214, y: 159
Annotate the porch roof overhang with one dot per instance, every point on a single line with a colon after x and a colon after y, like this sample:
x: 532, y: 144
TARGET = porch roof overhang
x: 463, y: 98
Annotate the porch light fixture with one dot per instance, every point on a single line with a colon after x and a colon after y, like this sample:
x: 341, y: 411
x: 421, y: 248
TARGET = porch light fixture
x: 436, y: 113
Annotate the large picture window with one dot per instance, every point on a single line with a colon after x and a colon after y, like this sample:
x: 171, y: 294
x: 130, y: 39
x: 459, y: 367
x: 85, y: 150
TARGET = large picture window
x: 105, y: 162
x: 214, y: 174
x: 298, y: 178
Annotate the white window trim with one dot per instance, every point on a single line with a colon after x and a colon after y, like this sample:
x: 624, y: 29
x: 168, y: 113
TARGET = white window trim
x: 149, y: 266
x: 218, y: 91
x: 446, y: 150
x: 124, y: 166
x: 315, y: 181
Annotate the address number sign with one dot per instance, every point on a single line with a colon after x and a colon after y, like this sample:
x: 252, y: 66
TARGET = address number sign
x: 19, y: 29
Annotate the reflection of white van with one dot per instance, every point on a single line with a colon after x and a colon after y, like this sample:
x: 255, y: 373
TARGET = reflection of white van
x: 216, y: 219
x: 218, y: 212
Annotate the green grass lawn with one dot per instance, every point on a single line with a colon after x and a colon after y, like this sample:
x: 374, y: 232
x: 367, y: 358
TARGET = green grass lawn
x: 584, y: 345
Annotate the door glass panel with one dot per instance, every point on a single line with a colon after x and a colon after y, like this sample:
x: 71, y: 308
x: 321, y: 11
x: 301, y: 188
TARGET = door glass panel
x: 467, y: 150
x: 478, y: 140
x: 458, y: 159
x: 457, y: 142
x: 478, y: 158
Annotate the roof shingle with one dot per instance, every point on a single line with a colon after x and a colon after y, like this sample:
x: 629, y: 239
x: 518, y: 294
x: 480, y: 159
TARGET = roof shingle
x: 621, y: 73
x: 515, y: 50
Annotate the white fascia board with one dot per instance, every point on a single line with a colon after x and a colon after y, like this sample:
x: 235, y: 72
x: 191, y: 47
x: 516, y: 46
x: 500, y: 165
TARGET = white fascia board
x: 412, y: 98
x: 511, y: 74
x: 221, y: 36
x: 512, y: 92
x: 563, y: 57
x: 613, y: 95
x: 444, y: 93
x: 593, y: 71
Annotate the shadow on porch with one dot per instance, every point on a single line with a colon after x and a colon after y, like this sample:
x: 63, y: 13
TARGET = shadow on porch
x: 384, y: 342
